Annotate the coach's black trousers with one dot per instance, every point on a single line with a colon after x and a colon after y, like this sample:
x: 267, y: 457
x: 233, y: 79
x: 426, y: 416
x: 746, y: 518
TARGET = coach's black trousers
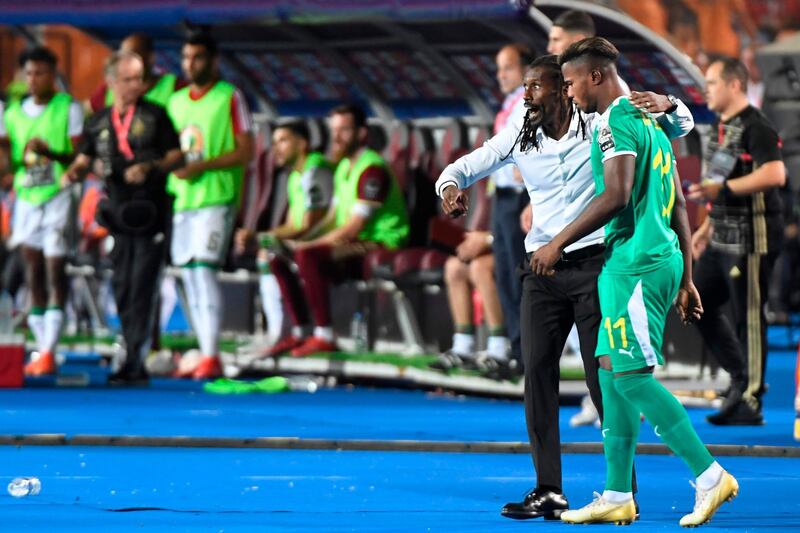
x: 740, y: 348
x: 138, y: 262
x: 550, y: 305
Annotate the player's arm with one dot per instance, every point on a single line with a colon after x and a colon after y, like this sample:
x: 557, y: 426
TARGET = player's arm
x: 168, y: 145
x: 671, y: 113
x: 84, y: 155
x: 763, y: 145
x: 239, y: 156
x: 74, y: 127
x: 288, y: 230
x: 618, y: 174
x: 768, y: 176
x: 688, y: 300
x: 243, y: 142
x: 478, y: 164
x: 318, y: 192
x: 78, y: 169
x: 374, y: 186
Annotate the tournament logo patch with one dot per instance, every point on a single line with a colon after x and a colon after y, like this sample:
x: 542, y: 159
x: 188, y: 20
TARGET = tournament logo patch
x: 315, y: 195
x: 372, y: 189
x: 192, y: 143
x: 605, y: 139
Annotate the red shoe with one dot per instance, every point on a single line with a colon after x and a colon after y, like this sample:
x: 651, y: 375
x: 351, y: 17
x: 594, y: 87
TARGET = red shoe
x: 43, y: 365
x: 286, y: 344
x: 186, y: 364
x: 209, y: 368
x: 314, y: 345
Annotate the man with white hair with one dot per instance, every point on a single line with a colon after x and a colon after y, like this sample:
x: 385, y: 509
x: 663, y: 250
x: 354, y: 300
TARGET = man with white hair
x: 137, y: 145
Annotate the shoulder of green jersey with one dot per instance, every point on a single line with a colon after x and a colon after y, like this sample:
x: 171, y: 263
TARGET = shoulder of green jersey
x: 621, y: 111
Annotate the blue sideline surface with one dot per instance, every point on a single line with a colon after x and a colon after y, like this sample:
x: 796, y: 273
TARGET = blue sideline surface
x: 341, y: 413
x: 136, y: 489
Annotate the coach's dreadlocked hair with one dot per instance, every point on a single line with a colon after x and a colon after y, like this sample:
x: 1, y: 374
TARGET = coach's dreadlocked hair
x: 527, y: 138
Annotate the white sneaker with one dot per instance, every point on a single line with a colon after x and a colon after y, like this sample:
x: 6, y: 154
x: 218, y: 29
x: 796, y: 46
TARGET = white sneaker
x: 706, y: 502
x: 602, y: 511
x: 587, y: 415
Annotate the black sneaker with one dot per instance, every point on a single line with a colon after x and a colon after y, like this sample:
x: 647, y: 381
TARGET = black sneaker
x: 498, y: 369
x: 742, y: 413
x: 450, y: 360
x: 129, y: 378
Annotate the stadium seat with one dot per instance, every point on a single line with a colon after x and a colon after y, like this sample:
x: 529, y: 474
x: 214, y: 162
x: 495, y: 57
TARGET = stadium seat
x: 318, y: 133
x: 260, y: 186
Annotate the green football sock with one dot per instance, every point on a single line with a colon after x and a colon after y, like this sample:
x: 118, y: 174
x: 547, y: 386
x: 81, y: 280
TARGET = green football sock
x: 620, y: 433
x: 498, y: 331
x: 668, y: 417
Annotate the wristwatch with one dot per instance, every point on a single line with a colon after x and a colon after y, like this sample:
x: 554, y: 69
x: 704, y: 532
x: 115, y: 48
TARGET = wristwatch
x: 674, y: 102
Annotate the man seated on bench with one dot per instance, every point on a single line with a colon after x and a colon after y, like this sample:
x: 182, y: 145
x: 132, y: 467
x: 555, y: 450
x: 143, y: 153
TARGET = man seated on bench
x: 309, y: 192
x: 368, y: 213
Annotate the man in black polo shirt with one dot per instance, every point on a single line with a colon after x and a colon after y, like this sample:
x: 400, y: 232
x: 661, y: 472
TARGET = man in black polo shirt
x: 137, y: 146
x: 738, y: 243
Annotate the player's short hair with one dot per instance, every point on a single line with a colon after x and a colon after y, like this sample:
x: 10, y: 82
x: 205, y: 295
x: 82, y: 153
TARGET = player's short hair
x: 204, y: 39
x: 595, y: 49
x: 574, y: 21
x: 356, y: 111
x: 733, y: 69
x: 113, y: 61
x: 297, y: 127
x: 38, y: 54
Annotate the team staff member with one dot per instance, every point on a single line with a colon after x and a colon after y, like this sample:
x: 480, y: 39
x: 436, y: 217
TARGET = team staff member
x: 368, y: 213
x: 138, y: 146
x: 551, y: 148
x: 216, y: 138
x: 309, y: 191
x: 158, y: 86
x: 741, y: 237
x: 42, y: 131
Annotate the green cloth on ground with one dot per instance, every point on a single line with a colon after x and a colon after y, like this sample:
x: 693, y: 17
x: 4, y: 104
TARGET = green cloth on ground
x: 268, y: 385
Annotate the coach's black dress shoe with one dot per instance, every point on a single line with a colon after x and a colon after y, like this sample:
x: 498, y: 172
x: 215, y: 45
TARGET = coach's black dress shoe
x: 129, y: 378
x: 538, y: 502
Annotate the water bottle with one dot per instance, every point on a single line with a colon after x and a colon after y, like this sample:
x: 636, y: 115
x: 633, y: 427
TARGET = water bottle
x: 24, y: 486
x: 6, y: 314
x: 358, y: 332
x: 303, y: 383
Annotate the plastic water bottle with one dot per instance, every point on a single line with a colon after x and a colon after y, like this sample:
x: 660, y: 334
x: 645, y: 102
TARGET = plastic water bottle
x: 24, y: 486
x: 6, y: 314
x: 303, y: 383
x: 358, y: 332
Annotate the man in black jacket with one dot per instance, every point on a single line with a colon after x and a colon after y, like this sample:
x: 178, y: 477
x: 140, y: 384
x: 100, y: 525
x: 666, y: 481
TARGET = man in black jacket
x: 737, y: 245
x: 137, y: 147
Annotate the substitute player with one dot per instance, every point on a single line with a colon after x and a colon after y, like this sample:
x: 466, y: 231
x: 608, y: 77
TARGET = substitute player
x: 215, y: 131
x: 648, y: 265
x: 42, y: 131
x: 309, y: 191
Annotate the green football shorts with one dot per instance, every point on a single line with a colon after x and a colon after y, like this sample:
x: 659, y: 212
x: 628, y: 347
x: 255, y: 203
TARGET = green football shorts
x: 634, y: 309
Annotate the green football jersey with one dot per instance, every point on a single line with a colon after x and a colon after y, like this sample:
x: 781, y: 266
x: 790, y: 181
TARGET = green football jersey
x: 639, y: 238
